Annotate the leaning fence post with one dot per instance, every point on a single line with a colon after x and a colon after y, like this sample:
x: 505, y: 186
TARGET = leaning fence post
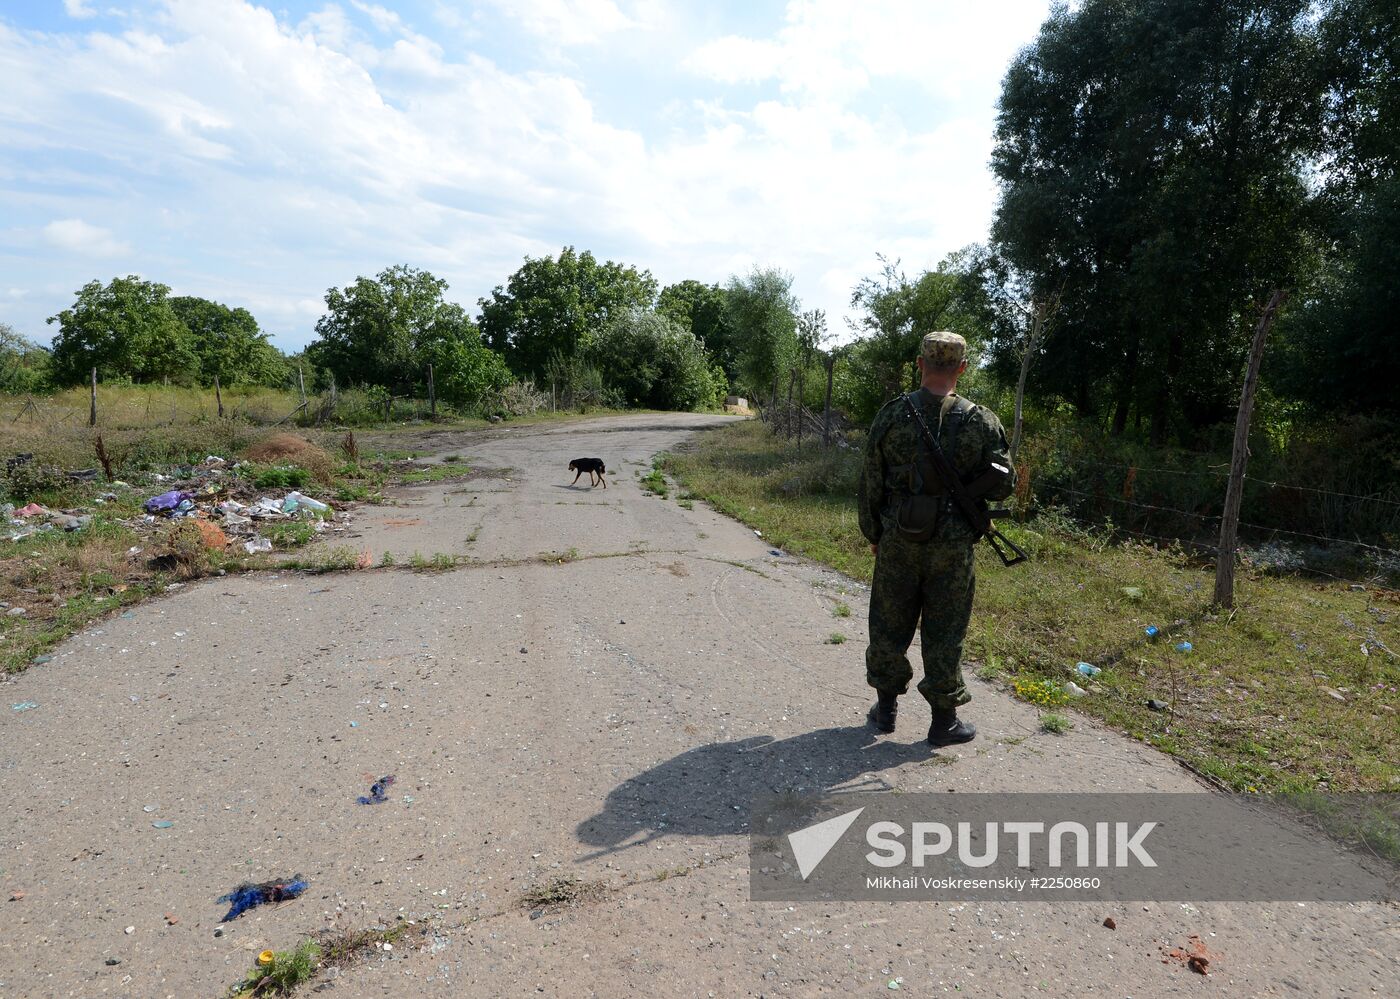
x: 1234, y: 492
x: 301, y: 386
x: 92, y: 410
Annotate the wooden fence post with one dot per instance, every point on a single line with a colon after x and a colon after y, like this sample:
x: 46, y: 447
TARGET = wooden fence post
x: 432, y: 394
x: 218, y: 397
x: 301, y: 386
x: 1234, y: 492
x: 92, y: 410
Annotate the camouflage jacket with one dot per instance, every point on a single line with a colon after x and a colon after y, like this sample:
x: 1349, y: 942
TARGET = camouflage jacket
x: 971, y: 436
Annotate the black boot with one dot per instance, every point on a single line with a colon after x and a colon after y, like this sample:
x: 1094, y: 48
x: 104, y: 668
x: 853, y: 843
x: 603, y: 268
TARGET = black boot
x: 947, y: 730
x: 883, y: 712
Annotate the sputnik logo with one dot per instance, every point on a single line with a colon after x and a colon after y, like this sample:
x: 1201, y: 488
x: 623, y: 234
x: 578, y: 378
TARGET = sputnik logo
x: 811, y: 845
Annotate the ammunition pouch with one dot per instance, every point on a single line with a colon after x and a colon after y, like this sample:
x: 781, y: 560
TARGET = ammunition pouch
x: 917, y: 517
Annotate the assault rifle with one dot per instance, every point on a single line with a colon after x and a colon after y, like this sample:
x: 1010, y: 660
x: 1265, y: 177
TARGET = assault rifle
x: 978, y: 516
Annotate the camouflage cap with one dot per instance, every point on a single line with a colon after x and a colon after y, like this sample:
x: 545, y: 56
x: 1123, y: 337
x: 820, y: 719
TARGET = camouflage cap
x: 943, y: 349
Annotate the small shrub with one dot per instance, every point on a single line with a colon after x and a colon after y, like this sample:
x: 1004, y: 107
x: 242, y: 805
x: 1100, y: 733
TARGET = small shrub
x: 1041, y: 693
x: 836, y: 638
x: 33, y: 482
x: 283, y: 477
x: 841, y: 610
x: 1056, y: 724
x: 285, y: 971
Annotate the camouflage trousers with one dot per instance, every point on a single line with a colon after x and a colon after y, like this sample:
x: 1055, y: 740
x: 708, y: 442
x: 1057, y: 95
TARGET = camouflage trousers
x: 929, y: 585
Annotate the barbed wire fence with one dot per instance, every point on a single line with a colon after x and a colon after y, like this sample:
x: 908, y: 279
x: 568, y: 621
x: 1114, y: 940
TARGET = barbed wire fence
x: 1372, y: 559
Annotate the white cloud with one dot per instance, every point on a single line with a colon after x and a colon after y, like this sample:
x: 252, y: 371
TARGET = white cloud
x: 263, y: 160
x: 565, y: 23
x: 77, y: 236
x: 832, y: 49
x: 78, y: 9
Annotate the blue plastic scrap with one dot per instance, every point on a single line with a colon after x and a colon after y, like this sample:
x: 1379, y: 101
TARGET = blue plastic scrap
x: 248, y: 896
x: 376, y: 794
x: 167, y: 502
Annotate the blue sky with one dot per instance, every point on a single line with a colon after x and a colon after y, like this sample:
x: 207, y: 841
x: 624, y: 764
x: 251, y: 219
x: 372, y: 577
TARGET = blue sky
x: 259, y: 153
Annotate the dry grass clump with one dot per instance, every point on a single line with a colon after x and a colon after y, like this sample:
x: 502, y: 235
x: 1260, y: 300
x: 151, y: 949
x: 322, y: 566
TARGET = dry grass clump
x: 289, y: 449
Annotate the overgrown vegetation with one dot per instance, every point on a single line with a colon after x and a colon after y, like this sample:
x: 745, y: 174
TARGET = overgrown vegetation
x: 1297, y: 689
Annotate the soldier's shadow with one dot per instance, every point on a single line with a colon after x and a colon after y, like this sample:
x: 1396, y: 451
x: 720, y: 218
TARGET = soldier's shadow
x: 709, y: 790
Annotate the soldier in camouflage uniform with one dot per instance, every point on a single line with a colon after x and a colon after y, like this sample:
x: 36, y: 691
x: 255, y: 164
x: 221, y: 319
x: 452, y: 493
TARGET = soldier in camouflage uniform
x: 923, y: 544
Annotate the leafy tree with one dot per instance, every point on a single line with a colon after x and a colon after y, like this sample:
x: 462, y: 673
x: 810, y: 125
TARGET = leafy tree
x: 126, y: 329
x: 654, y: 362
x: 24, y: 365
x: 701, y: 308
x: 556, y: 306
x: 229, y: 343
x: 1150, y: 156
x: 895, y: 313
x: 762, y: 312
x: 386, y: 330
x: 1339, y: 348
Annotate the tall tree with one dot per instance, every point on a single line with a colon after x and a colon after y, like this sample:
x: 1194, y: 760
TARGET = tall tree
x: 229, y: 343
x: 24, y: 365
x: 762, y: 312
x: 895, y: 312
x: 1151, y: 158
x: 386, y: 330
x: 701, y: 309
x: 1339, y: 347
x: 125, y: 329
x: 554, y: 307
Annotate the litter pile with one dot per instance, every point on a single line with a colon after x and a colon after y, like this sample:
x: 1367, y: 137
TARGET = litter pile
x: 33, y: 518
x: 248, y: 896
x: 220, y: 496
x: 215, y: 491
x: 376, y: 794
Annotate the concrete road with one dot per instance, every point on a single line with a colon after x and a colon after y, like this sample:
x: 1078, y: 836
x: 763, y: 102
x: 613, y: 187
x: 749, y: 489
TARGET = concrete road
x: 600, y: 695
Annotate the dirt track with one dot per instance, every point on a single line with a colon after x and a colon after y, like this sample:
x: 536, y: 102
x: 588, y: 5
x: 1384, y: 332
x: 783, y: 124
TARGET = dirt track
x: 606, y: 709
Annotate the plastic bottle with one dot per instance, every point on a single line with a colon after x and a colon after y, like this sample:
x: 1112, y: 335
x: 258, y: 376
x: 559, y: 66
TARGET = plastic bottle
x: 1183, y: 646
x: 1150, y: 631
x: 1087, y: 669
x: 306, y: 501
x: 1074, y: 689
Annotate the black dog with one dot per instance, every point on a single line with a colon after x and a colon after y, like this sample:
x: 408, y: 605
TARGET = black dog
x: 593, y: 466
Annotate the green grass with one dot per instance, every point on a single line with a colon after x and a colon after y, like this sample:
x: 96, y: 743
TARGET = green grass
x: 654, y: 481
x: 288, y: 970
x: 836, y: 638
x: 435, y: 473
x: 1055, y: 724
x: 841, y: 610
x: 1245, y: 705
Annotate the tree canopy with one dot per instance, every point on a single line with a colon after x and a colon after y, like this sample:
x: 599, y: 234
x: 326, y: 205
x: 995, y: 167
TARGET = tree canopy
x: 386, y: 330
x: 553, y: 307
x: 702, y: 309
x: 228, y: 343
x: 655, y: 362
x: 126, y: 329
x: 762, y: 312
x: 1151, y: 158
